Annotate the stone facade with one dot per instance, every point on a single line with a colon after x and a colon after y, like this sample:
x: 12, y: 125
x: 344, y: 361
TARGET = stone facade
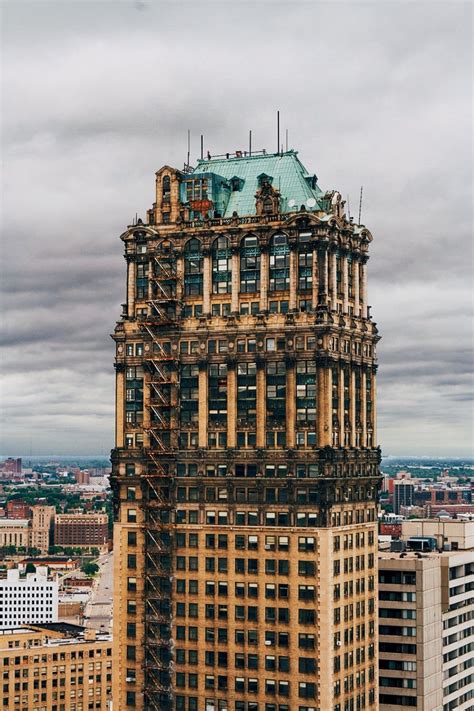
x: 245, y: 472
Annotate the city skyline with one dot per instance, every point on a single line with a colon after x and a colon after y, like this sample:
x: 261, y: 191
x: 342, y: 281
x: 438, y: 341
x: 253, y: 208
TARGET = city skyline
x: 80, y: 149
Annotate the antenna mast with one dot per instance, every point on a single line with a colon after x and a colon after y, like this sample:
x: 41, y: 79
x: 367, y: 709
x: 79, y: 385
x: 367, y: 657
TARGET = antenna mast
x: 189, y: 146
x: 250, y: 143
x: 287, y: 140
x: 278, y: 132
x: 202, y: 147
x: 360, y: 202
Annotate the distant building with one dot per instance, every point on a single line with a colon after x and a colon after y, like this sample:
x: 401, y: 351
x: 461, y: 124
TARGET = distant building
x: 62, y: 668
x: 84, y: 530
x: 426, y: 637
x: 42, y: 523
x: 14, y: 532
x: 403, y: 493
x: 12, y: 466
x: 27, y: 600
x: 16, y: 508
x: 82, y: 476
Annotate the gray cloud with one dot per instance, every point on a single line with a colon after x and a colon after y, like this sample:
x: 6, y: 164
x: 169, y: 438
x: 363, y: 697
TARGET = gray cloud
x: 97, y: 96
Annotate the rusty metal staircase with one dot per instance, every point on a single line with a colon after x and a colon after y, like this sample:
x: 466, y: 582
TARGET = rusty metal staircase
x: 157, y: 483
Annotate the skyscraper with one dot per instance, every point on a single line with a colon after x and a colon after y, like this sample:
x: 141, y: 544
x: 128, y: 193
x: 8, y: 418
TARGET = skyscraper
x: 245, y: 472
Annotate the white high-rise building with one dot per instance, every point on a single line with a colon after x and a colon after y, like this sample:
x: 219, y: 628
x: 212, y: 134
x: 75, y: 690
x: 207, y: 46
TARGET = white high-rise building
x: 32, y: 599
x: 426, y: 619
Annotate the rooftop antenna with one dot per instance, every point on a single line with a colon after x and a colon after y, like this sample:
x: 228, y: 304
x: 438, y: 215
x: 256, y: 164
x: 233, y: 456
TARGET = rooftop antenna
x: 189, y: 145
x: 287, y: 140
x: 202, y: 147
x: 278, y: 132
x: 250, y: 143
x: 360, y: 202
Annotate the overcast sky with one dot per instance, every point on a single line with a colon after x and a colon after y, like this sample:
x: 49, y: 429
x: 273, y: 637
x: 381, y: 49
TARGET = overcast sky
x: 98, y: 95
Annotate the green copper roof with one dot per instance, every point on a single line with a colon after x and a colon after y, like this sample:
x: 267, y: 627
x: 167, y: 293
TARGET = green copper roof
x: 288, y: 174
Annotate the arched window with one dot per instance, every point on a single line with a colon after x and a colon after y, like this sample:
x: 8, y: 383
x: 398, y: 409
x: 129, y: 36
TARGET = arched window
x: 279, y: 263
x: 166, y: 188
x: 249, y: 265
x: 221, y: 266
x: 193, y: 263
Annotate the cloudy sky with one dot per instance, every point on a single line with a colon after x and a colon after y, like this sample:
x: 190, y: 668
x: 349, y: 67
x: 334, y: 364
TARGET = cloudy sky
x: 98, y: 95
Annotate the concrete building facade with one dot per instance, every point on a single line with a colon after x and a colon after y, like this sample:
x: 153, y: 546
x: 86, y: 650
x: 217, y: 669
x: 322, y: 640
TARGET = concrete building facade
x: 14, y: 532
x: 245, y: 472
x: 42, y: 526
x: 55, y: 667
x: 32, y: 599
x: 426, y: 626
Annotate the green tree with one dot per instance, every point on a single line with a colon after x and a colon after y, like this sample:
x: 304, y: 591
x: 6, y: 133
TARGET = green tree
x: 8, y: 550
x: 30, y: 568
x: 90, y: 569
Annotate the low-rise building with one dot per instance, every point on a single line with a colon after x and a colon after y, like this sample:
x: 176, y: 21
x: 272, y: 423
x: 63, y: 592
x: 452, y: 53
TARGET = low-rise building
x: 56, y: 667
x: 29, y: 599
x: 14, y: 532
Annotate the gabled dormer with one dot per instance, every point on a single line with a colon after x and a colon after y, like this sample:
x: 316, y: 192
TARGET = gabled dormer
x: 267, y: 198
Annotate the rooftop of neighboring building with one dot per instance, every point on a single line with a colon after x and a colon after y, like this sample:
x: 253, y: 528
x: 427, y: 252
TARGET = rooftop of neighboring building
x: 16, y: 522
x: 52, y: 634
x: 385, y: 554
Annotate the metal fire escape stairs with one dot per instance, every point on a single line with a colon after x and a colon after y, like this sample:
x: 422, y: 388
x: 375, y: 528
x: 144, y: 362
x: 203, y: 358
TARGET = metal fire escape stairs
x: 157, y: 484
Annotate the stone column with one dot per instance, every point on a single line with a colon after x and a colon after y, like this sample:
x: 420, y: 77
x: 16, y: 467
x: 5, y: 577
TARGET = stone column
x: 363, y: 288
x: 342, y: 426
x: 352, y: 407
x: 315, y: 278
x: 363, y: 406
x: 264, y: 272
x: 231, y: 404
x: 206, y: 283
x: 324, y: 405
x: 119, y: 405
x: 345, y: 284
x: 261, y: 404
x: 234, y: 306
x: 374, y: 408
x: 290, y: 404
x: 202, y: 408
x: 355, y: 286
x: 293, y: 305
x: 174, y: 198
x: 333, y: 277
x: 179, y: 277
x: 131, y: 282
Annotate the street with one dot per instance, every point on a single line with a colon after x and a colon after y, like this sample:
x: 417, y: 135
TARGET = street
x: 98, y: 612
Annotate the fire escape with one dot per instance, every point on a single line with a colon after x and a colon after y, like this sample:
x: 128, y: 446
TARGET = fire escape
x: 157, y: 485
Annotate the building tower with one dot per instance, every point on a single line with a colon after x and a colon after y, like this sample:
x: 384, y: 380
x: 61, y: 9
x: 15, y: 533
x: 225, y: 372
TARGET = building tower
x: 245, y: 472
